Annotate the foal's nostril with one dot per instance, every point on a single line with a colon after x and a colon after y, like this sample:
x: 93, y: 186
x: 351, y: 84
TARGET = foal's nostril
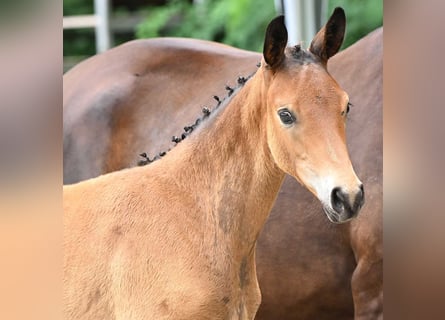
x: 337, y: 199
x: 347, y: 204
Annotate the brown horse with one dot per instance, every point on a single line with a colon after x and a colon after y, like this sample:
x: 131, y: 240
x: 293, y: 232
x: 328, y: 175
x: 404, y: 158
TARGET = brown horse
x: 316, y: 281
x: 176, y: 239
x: 104, y: 129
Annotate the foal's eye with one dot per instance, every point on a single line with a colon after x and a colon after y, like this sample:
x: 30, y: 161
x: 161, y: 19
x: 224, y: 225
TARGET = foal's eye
x: 286, y: 116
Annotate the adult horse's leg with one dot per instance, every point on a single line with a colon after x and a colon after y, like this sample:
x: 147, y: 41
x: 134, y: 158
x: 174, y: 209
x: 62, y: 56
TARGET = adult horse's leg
x: 366, y: 284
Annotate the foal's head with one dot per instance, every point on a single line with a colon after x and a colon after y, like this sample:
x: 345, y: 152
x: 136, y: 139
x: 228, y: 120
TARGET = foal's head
x: 306, y: 117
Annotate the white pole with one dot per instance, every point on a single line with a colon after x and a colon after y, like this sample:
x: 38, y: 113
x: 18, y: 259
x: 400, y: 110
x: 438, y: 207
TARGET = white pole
x: 292, y: 13
x: 301, y: 19
x: 323, y: 13
x: 102, y: 13
x: 310, y: 22
x: 279, y: 6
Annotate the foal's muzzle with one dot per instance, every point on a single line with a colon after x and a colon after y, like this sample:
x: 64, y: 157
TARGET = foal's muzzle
x: 345, y: 205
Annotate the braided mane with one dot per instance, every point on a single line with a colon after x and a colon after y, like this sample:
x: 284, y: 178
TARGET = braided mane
x: 205, y: 114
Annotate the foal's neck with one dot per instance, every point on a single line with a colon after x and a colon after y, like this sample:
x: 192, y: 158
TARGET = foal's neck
x: 232, y: 171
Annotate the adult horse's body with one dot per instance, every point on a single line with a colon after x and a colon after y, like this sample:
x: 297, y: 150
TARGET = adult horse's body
x: 135, y: 97
x: 176, y: 239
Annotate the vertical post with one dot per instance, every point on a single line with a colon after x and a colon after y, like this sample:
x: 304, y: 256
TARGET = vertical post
x: 321, y: 12
x: 303, y: 19
x: 102, y: 13
x: 310, y: 21
x: 292, y: 13
x: 279, y: 6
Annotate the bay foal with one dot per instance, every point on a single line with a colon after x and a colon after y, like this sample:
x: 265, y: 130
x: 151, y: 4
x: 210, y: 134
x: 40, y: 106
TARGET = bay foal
x: 176, y: 239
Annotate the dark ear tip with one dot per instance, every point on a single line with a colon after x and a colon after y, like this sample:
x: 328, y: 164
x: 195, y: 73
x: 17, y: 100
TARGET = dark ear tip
x: 280, y: 18
x: 277, y: 21
x: 339, y: 13
x: 275, y: 42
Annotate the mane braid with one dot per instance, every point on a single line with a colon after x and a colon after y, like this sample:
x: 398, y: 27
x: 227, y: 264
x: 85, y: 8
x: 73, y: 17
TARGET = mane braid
x: 241, y: 81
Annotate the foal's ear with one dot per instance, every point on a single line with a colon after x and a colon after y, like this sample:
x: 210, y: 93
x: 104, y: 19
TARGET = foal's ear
x: 328, y: 40
x: 275, y: 42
